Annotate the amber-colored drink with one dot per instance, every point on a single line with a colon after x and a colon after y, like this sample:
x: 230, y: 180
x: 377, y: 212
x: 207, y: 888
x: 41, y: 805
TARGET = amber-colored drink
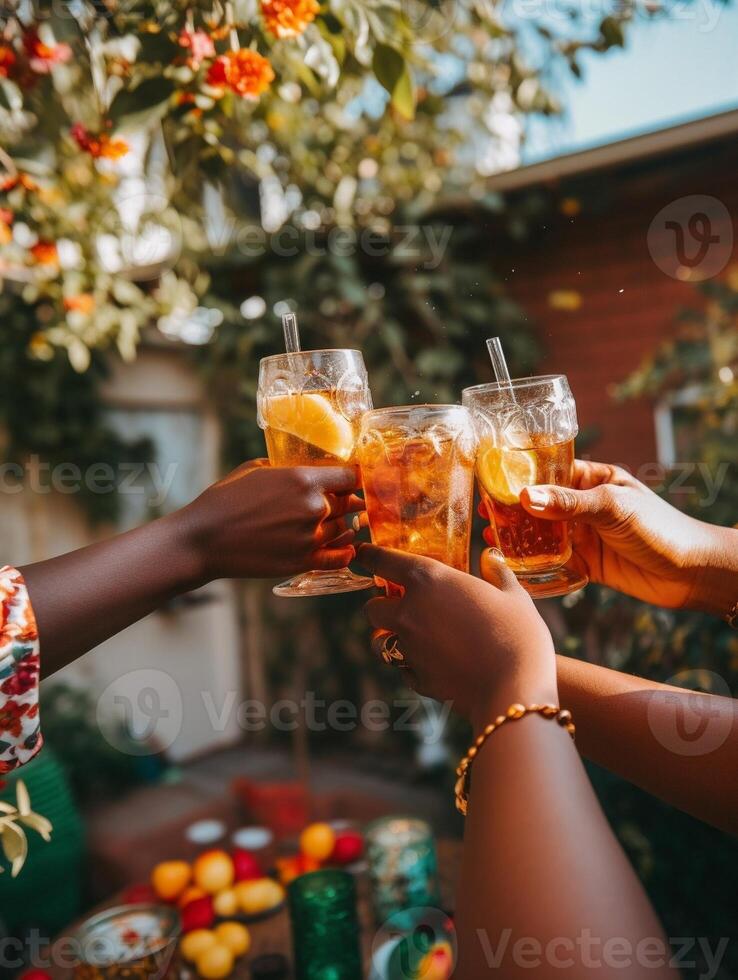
x: 310, y: 405
x: 419, y: 482
x: 311, y: 429
x: 528, y: 543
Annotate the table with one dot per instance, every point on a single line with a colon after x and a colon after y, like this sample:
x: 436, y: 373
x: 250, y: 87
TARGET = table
x: 273, y: 934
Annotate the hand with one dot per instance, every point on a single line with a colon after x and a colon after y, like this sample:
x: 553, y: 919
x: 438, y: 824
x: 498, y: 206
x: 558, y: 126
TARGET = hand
x: 480, y: 645
x: 628, y: 538
x: 265, y: 521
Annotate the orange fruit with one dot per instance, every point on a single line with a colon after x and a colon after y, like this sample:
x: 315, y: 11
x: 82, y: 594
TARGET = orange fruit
x: 317, y: 841
x: 170, y: 878
x: 196, y: 942
x: 215, y: 962
x: 225, y: 903
x: 213, y: 871
x: 235, y: 936
x: 259, y: 895
x: 190, y: 893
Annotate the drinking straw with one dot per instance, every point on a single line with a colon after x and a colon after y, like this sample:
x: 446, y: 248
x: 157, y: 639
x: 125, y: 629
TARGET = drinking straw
x: 291, y: 333
x: 499, y: 364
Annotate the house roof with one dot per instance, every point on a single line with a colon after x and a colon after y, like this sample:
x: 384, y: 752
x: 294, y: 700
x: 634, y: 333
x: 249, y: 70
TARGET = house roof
x: 635, y: 148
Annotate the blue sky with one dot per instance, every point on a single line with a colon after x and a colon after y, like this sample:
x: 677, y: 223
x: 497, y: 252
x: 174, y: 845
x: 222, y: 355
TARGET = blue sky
x: 669, y: 71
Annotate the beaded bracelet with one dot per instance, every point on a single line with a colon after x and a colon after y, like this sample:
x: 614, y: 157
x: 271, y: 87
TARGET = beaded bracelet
x: 513, y: 713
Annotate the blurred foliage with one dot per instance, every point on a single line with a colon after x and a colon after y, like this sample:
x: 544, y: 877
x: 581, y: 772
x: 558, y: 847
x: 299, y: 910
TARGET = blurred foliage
x: 96, y: 769
x: 51, y: 414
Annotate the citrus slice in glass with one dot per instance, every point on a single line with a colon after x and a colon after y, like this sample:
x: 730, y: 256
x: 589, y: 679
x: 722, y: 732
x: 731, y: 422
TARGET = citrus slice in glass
x: 311, y: 417
x: 504, y: 472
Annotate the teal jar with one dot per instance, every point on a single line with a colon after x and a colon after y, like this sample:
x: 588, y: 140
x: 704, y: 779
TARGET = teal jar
x: 325, y: 926
x: 403, y: 867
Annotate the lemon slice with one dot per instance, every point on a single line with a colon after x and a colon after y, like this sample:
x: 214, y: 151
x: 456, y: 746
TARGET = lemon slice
x: 504, y: 472
x: 313, y: 419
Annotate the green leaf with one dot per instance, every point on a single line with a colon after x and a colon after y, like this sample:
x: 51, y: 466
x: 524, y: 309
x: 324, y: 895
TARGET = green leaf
x: 140, y: 107
x: 393, y: 74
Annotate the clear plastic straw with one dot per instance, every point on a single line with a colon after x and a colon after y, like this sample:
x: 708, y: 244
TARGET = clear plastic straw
x: 499, y: 364
x: 291, y: 333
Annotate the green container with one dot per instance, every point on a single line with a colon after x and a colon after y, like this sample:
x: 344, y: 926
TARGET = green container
x: 403, y: 867
x: 48, y: 891
x: 325, y: 927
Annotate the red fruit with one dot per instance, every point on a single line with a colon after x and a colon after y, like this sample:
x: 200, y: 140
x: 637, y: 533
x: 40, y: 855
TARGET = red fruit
x: 245, y: 865
x: 34, y: 974
x: 139, y: 894
x: 348, y: 848
x: 198, y: 914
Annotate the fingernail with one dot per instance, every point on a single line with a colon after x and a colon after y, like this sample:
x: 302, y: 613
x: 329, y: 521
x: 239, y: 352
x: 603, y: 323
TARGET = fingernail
x: 539, y: 499
x: 497, y: 555
x: 356, y: 523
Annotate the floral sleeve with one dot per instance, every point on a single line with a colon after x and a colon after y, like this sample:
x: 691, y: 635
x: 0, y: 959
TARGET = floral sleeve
x: 20, y: 734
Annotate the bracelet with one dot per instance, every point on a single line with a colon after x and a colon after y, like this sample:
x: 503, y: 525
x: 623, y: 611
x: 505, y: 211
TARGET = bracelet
x: 513, y: 713
x: 732, y: 617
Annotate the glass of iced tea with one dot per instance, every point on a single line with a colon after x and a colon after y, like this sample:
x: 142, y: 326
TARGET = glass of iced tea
x: 417, y: 468
x: 310, y: 404
x: 526, y: 436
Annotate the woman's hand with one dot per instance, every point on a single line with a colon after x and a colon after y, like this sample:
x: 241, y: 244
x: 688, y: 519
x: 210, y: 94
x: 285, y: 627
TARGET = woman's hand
x: 264, y: 521
x: 627, y: 537
x: 479, y: 645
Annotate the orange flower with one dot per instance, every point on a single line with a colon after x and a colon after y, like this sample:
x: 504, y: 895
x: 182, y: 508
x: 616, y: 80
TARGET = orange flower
x: 245, y: 72
x: 98, y: 144
x: 45, y: 253
x: 7, y: 60
x: 288, y: 18
x: 6, y: 233
x: 81, y: 303
x: 42, y: 57
x: 19, y: 179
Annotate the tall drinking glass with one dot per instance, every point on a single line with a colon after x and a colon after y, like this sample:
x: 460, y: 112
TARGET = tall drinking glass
x: 526, y: 436
x: 417, y: 467
x: 310, y: 404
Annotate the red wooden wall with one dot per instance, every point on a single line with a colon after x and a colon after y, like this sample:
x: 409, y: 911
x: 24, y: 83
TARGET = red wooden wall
x: 627, y: 303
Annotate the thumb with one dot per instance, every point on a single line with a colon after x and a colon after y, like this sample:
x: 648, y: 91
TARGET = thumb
x: 597, y: 506
x: 495, y: 571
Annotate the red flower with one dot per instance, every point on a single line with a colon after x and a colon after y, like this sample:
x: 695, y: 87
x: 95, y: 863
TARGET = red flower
x: 7, y: 60
x: 245, y: 72
x: 45, y: 253
x: 24, y: 678
x: 200, y: 46
x: 98, y: 144
x: 42, y: 57
x: 288, y: 18
x: 10, y: 717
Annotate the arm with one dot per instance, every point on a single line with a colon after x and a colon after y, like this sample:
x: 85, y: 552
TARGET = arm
x: 680, y: 745
x: 258, y: 521
x: 541, y: 865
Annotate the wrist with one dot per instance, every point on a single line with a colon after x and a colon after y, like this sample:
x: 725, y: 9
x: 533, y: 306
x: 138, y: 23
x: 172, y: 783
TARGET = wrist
x: 516, y: 687
x: 184, y: 551
x: 715, y: 588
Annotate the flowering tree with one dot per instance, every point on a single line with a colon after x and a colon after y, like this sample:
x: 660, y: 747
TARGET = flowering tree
x: 124, y: 119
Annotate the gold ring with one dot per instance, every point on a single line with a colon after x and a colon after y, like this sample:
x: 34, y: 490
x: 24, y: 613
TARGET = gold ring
x: 385, y: 644
x: 391, y: 653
